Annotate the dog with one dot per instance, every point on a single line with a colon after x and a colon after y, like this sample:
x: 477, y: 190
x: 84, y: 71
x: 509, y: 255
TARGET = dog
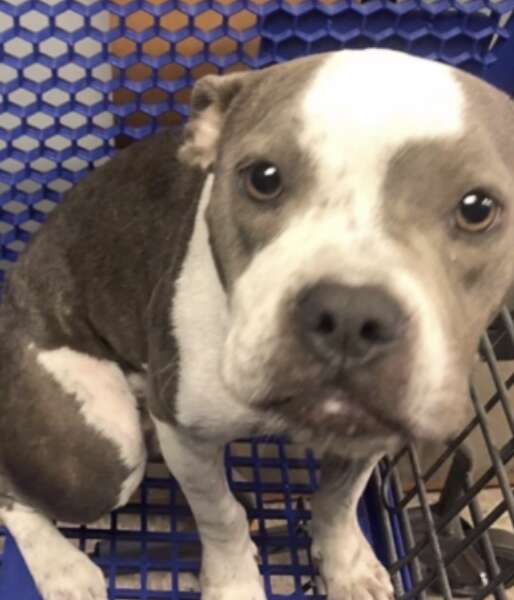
x: 317, y: 254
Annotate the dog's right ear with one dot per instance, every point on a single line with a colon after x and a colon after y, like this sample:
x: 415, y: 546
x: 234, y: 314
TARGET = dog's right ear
x: 210, y: 101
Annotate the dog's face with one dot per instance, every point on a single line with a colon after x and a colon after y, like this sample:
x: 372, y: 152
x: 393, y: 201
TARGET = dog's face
x: 361, y: 220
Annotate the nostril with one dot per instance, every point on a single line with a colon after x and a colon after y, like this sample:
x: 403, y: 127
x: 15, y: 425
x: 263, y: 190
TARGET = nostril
x: 374, y: 332
x: 326, y: 324
x: 370, y: 330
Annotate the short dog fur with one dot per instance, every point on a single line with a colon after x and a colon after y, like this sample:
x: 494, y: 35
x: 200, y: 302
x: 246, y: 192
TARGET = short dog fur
x: 236, y: 314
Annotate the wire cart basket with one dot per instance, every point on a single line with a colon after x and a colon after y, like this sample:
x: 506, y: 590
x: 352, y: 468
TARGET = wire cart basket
x: 81, y: 78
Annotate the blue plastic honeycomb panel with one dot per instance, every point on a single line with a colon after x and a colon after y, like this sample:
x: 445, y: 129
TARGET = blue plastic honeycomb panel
x: 279, y: 484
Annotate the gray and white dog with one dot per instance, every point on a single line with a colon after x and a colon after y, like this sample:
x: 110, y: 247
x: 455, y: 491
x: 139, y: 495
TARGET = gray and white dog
x: 318, y: 256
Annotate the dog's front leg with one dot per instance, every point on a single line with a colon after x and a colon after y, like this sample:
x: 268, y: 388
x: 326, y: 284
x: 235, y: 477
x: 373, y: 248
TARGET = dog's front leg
x: 229, y: 567
x: 347, y: 563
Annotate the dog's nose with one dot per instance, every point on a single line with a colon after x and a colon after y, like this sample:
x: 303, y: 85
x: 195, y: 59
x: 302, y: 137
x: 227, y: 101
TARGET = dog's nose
x: 352, y: 324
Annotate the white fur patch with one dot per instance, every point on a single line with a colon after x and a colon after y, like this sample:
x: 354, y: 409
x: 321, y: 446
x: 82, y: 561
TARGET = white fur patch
x: 200, y: 322
x: 106, y: 403
x: 361, y: 107
x: 60, y: 571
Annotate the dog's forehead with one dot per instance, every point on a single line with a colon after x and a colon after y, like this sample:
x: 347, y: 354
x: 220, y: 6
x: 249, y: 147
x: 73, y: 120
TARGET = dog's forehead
x: 362, y: 106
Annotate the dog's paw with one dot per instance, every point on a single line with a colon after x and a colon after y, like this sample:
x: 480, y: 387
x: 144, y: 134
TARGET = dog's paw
x: 370, y: 582
x: 350, y: 570
x: 232, y: 578
x: 74, y: 577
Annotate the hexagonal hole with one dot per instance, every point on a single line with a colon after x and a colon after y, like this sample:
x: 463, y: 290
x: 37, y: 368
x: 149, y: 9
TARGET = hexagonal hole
x: 394, y: 42
x: 123, y: 47
x: 139, y: 21
x: 189, y: 47
x: 325, y: 44
x: 425, y: 46
x: 17, y: 246
x: 25, y: 143
x: 102, y: 72
x: 28, y: 186
x: 105, y: 21
x: 202, y: 70
x: 57, y: 142
x: 89, y: 96
x: 251, y: 48
x: 411, y: 22
x: 156, y: 47
x: 312, y: 22
x: 90, y: 142
x: 8, y: 121
x: 18, y: 48
x: 124, y: 96
x: 59, y: 185
x: 11, y: 165
x: 74, y: 164
x: 6, y: 23
x: 380, y: 21
x: 292, y: 48
x: 71, y: 72
x: 457, y: 46
x: 34, y: 21
x: 45, y: 206
x: 184, y: 96
x: 445, y: 23
x: 53, y: 47
x: 37, y: 72
x: 103, y: 119
x: 223, y: 47
x: 138, y: 119
x: 174, y: 21
x: 138, y: 72
x: 43, y: 165
x: 346, y: 22
x: 242, y: 20
x: 22, y: 97
x: 154, y: 96
x: 88, y: 47
x: 69, y: 21
x: 171, y: 72
x: 14, y: 207
x: 40, y: 120
x: 73, y: 120
x: 208, y: 21
x: 56, y: 97
x: 7, y: 74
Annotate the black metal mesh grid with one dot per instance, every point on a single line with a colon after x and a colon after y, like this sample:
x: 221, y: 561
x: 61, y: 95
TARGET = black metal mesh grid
x: 451, y: 535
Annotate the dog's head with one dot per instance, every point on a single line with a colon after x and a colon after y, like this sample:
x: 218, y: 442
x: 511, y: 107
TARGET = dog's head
x: 362, y: 223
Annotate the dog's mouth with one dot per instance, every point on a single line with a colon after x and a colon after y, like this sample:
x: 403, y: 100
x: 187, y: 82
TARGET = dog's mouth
x: 333, y: 411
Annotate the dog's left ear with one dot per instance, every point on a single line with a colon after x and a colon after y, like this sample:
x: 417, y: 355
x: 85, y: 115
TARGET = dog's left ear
x: 210, y: 101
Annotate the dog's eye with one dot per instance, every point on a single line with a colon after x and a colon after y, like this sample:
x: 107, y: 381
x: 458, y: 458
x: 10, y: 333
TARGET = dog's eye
x: 263, y: 181
x: 476, y: 212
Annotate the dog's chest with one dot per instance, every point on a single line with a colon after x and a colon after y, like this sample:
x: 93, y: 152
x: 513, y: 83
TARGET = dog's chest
x: 191, y: 314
